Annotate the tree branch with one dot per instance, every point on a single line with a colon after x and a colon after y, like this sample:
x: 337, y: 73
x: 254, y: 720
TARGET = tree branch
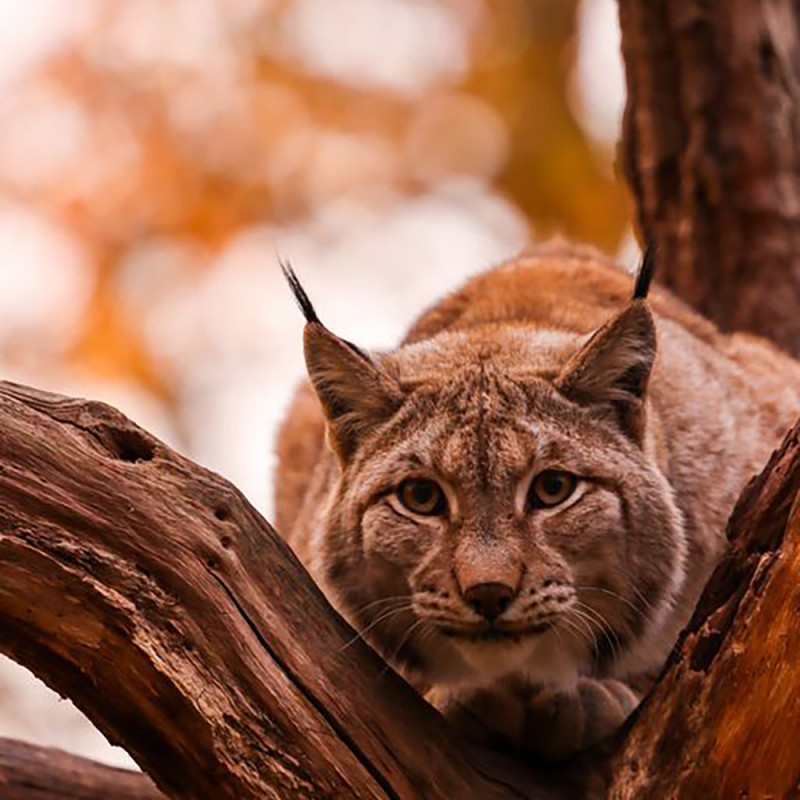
x: 722, y: 720
x: 42, y: 773
x: 149, y: 591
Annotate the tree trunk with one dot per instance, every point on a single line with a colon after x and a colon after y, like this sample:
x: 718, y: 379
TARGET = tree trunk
x: 711, y: 151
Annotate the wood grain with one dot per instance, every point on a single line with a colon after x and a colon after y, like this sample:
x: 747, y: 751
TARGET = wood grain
x: 43, y: 773
x: 711, y: 152
x: 151, y: 593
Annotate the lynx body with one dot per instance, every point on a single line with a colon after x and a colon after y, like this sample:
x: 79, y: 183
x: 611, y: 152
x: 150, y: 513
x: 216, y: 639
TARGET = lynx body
x: 520, y: 505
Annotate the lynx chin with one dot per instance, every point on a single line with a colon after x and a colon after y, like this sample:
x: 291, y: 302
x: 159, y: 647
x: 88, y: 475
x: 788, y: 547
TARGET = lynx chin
x: 519, y: 506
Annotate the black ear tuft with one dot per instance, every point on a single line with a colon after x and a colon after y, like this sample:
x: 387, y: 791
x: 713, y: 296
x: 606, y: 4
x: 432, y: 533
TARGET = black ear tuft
x: 644, y: 276
x: 298, y: 291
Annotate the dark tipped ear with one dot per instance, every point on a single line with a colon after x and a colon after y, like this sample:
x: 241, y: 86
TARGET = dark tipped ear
x: 644, y: 275
x: 356, y: 394
x: 300, y: 296
x: 612, y: 369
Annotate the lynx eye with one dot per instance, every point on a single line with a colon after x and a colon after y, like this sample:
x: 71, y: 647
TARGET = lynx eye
x: 550, y: 488
x: 422, y: 496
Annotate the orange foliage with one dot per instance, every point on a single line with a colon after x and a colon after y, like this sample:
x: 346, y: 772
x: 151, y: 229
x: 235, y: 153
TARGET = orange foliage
x: 199, y: 146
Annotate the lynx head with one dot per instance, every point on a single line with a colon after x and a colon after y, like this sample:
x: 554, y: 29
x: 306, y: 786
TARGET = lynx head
x: 497, y: 507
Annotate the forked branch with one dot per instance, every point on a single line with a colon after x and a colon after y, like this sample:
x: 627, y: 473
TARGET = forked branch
x: 147, y: 590
x: 151, y: 593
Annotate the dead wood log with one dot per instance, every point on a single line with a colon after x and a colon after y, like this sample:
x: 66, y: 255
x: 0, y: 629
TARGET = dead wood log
x: 42, y: 773
x: 149, y: 591
x: 724, y: 719
x: 711, y: 151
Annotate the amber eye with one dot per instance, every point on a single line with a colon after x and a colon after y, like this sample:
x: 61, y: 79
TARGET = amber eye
x: 551, y: 487
x: 422, y: 496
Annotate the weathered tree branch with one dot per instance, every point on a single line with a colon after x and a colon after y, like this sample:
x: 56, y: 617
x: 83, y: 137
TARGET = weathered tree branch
x: 149, y: 591
x: 723, y: 720
x: 711, y: 151
x: 42, y: 773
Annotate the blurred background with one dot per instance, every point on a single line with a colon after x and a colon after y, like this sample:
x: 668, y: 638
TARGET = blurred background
x: 158, y: 156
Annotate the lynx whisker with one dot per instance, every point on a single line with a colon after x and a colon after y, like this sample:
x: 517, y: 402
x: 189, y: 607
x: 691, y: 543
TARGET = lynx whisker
x: 405, y: 638
x: 582, y: 634
x: 636, y: 609
x: 608, y: 632
x: 383, y: 617
x: 404, y: 598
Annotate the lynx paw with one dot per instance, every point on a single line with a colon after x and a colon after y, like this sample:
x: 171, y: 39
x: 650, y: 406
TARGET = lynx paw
x: 547, y: 724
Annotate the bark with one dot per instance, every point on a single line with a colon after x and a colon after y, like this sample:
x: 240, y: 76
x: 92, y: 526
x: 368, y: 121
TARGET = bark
x: 149, y: 591
x: 41, y: 773
x: 711, y: 151
x: 723, y: 720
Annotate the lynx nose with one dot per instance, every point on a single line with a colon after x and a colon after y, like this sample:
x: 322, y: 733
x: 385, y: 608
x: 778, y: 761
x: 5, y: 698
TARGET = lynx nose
x: 490, y: 600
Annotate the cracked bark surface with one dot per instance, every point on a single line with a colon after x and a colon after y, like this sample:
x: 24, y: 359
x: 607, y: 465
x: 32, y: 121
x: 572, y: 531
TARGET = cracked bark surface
x: 711, y: 151
x: 149, y: 591
x: 723, y: 719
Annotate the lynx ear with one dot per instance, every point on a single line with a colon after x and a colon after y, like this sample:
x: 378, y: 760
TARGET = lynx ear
x: 612, y: 369
x: 356, y: 394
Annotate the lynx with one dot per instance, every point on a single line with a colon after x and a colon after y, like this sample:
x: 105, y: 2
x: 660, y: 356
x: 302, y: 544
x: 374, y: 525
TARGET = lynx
x: 519, y: 506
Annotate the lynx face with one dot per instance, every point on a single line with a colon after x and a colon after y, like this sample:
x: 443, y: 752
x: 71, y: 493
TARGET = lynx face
x: 498, y: 509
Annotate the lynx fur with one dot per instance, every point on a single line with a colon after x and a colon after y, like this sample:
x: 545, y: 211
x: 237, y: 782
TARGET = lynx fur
x: 532, y: 627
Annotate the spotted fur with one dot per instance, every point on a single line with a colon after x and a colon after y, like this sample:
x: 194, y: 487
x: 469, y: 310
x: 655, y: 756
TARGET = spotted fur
x: 551, y: 361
